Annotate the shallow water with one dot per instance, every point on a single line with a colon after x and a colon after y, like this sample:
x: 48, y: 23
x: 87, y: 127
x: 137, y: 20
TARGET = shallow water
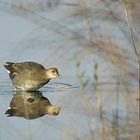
x: 85, y: 113
x: 107, y: 110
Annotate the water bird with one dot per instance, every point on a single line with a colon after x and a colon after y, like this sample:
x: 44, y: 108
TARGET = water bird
x: 29, y: 76
x: 30, y: 105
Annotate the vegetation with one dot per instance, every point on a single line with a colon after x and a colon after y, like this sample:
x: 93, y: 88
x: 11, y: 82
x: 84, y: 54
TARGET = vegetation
x: 102, y: 35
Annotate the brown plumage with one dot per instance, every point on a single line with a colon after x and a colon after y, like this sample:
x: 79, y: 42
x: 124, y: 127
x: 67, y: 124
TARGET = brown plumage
x: 30, y: 105
x: 29, y: 76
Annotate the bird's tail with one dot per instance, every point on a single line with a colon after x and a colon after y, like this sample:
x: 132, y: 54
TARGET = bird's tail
x: 10, y: 112
x: 8, y: 65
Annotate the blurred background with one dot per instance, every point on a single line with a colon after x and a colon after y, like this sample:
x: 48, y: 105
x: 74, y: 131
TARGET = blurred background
x: 95, y: 46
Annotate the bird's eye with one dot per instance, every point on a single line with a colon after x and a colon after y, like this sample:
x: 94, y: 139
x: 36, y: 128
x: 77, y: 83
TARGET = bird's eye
x: 53, y: 71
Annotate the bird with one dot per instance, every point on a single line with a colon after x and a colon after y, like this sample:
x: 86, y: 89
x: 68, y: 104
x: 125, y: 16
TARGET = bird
x: 31, y: 105
x: 29, y: 76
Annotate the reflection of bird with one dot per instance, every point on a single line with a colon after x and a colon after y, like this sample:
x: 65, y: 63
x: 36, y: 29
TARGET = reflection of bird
x: 30, y: 105
x: 29, y: 76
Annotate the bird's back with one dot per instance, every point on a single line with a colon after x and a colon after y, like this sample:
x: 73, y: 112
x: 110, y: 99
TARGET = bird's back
x: 24, y: 68
x: 26, y: 75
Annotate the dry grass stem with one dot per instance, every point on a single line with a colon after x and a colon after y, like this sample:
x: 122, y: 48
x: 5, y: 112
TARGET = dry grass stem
x: 137, y: 55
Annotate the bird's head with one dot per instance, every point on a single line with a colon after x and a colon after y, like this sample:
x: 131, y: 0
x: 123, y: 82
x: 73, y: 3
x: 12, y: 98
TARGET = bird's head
x: 52, y: 73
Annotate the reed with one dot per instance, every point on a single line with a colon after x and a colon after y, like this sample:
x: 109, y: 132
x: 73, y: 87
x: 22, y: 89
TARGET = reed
x: 131, y: 34
x: 80, y: 75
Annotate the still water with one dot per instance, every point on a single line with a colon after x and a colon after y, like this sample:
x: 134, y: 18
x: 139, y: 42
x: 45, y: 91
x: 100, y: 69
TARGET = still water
x: 85, y: 113
x: 54, y: 34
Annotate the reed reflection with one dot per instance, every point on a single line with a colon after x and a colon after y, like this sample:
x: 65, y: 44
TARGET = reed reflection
x: 30, y: 105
